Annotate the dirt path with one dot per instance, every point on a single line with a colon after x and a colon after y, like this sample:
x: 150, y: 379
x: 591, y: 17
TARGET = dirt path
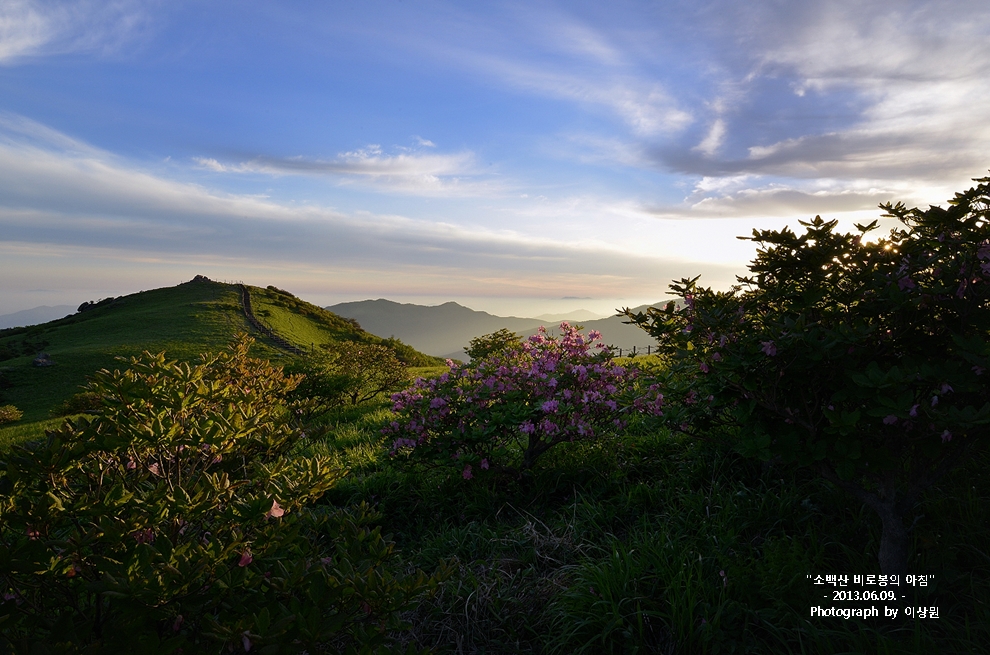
x: 261, y: 327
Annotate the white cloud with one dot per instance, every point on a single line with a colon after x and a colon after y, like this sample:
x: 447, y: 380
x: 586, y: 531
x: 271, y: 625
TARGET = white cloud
x: 713, y: 140
x: 210, y: 164
x: 895, y: 91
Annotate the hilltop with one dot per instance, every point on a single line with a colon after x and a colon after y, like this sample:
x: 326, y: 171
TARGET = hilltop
x: 185, y: 321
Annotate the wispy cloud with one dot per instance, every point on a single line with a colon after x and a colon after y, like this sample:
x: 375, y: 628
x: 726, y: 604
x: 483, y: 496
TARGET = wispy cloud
x: 555, y: 54
x: 644, y: 105
x: 32, y: 28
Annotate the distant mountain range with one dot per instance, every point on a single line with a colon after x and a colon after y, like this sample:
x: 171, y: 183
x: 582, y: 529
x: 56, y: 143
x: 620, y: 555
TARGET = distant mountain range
x: 445, y: 330
x: 35, y: 316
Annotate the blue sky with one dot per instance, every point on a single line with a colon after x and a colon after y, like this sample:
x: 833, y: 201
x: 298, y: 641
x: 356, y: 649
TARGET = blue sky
x: 519, y: 158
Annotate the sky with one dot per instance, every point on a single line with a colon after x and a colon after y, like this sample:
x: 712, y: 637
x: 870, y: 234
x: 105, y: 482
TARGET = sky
x: 515, y: 157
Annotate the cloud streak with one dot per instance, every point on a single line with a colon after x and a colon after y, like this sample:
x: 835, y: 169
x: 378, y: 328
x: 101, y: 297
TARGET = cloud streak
x: 417, y: 173
x: 88, y: 199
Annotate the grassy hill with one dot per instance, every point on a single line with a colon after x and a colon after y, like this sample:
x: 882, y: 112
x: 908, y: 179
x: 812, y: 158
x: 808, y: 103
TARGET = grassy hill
x: 184, y: 320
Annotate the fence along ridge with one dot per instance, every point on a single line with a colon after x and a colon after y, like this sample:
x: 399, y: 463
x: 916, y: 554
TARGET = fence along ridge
x: 261, y: 327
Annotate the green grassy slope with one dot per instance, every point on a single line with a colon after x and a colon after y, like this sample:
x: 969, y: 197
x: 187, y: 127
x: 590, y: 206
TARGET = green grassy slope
x: 185, y: 320
x: 308, y: 326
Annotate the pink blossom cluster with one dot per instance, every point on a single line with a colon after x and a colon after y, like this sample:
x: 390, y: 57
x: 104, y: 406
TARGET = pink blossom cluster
x: 543, y: 391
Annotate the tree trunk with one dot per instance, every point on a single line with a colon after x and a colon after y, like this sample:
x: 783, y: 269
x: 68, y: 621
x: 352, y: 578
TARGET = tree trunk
x: 894, y: 540
x: 891, y: 507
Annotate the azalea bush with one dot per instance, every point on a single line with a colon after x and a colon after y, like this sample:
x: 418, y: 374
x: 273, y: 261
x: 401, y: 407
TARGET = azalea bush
x: 174, y: 519
x: 869, y: 361
x: 501, y: 412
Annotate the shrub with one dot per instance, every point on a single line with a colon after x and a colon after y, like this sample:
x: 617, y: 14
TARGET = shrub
x: 406, y: 353
x: 867, y: 361
x: 85, y: 402
x: 495, y: 343
x: 502, y: 412
x: 174, y: 520
x: 348, y: 373
x: 9, y: 414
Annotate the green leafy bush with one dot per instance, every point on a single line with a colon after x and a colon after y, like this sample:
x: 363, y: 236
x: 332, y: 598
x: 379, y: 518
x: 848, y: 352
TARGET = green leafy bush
x: 9, y: 414
x: 348, y: 373
x: 173, y: 519
x: 867, y: 361
x: 495, y: 343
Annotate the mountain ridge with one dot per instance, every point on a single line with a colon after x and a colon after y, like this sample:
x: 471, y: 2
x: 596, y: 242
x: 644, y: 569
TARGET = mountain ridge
x: 35, y: 316
x: 445, y: 330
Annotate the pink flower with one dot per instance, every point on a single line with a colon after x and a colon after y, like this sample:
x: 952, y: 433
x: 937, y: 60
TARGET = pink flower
x: 146, y: 536
x: 716, y: 357
x: 246, y: 559
x: 484, y: 464
x: 890, y: 419
x: 246, y: 642
x: 275, y: 512
x: 769, y: 347
x: 914, y: 411
x: 466, y: 473
x: 946, y: 436
x: 703, y: 367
